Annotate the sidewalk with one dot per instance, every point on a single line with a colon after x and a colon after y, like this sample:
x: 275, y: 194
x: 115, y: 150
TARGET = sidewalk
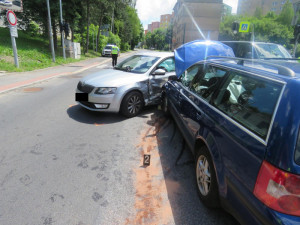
x: 10, y: 81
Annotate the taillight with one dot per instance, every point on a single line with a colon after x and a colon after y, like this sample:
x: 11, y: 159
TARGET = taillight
x: 278, y: 189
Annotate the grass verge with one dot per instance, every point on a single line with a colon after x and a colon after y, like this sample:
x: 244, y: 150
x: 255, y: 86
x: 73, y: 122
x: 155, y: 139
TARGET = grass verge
x: 33, y: 53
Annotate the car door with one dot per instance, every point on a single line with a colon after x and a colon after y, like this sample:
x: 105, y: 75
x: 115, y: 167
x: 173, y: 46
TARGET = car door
x: 178, y: 95
x: 156, y: 81
x: 244, y: 108
x: 196, y: 99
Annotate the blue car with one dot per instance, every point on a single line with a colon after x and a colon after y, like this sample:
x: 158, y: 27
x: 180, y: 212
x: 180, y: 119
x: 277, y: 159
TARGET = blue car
x: 241, y: 119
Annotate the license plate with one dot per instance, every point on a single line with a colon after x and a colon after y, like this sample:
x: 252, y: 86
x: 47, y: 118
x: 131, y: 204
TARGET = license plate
x: 82, y: 97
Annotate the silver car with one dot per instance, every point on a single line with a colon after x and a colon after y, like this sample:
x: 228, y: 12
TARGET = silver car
x: 127, y: 87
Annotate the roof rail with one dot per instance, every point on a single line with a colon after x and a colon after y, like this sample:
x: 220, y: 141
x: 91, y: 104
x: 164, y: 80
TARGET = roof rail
x: 282, y: 70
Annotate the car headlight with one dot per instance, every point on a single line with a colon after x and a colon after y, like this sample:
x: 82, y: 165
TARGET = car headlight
x: 105, y: 91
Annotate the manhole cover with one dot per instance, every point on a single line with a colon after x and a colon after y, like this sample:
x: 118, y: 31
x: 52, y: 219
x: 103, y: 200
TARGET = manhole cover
x: 32, y: 89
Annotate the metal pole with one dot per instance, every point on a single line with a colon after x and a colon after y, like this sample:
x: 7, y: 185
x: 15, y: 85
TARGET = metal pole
x: 13, y: 41
x: 93, y: 39
x: 62, y: 32
x: 112, y: 20
x: 295, y: 46
x: 50, y: 32
x: 252, y: 35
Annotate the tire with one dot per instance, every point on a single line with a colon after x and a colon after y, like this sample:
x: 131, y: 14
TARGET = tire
x: 207, y: 185
x: 132, y: 104
x: 165, y: 105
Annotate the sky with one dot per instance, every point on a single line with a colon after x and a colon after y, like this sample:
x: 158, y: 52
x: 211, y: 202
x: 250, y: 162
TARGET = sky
x: 150, y: 10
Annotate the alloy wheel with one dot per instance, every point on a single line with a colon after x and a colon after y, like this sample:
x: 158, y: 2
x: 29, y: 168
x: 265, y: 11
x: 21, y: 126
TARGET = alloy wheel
x: 134, y: 104
x: 203, y: 175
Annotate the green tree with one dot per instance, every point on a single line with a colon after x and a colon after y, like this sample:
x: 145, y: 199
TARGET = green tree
x: 258, y: 13
x: 267, y: 29
x: 287, y: 14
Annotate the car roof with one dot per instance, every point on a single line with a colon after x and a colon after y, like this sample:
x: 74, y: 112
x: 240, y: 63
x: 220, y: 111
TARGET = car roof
x: 270, y: 73
x: 155, y: 53
x: 250, y: 42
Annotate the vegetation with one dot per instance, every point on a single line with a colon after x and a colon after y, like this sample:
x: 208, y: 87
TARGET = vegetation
x: 159, y: 39
x: 33, y: 53
x: 85, y: 18
x: 121, y: 19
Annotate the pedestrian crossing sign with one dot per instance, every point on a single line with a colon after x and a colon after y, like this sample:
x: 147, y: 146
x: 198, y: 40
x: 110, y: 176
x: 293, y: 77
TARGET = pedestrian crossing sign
x: 244, y: 27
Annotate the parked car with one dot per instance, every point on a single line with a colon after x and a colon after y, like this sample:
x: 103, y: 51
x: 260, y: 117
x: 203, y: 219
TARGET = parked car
x: 127, y: 87
x: 5, y: 3
x: 258, y: 50
x: 271, y: 52
x: 241, y: 122
x: 107, y: 50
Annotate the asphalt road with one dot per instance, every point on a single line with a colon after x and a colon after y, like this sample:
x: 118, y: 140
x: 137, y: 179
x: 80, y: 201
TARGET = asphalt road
x: 62, y: 164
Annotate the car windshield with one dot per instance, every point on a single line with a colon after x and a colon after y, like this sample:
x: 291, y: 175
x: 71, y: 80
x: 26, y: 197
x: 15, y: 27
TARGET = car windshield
x: 272, y: 51
x: 137, y: 63
x: 108, y: 47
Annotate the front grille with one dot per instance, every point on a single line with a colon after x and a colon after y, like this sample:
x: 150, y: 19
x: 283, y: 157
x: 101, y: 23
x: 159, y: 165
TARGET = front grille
x: 88, y: 104
x: 86, y: 88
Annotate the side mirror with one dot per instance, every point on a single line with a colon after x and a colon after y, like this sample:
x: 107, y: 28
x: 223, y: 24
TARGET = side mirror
x: 159, y: 72
x: 173, y: 77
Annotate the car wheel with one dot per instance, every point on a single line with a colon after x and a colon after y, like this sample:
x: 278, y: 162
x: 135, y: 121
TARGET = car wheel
x: 206, y: 179
x: 132, y: 104
x: 164, y: 106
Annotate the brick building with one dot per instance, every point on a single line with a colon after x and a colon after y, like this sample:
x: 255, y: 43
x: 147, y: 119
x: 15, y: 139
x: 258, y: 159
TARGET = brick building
x: 165, y: 20
x: 206, y: 14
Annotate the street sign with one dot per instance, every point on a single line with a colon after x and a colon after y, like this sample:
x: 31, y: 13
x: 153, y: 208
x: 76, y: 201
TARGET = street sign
x: 13, y: 31
x: 244, y: 27
x: 11, y: 18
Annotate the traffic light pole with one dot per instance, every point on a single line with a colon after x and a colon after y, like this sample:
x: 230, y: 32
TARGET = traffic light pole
x: 62, y: 31
x: 295, y: 46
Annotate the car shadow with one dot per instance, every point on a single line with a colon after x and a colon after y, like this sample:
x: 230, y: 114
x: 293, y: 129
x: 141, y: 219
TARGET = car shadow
x: 83, y: 115
x: 179, y: 174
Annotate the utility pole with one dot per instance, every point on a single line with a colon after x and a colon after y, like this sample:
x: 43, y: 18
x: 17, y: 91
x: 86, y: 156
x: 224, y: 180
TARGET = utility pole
x: 50, y: 32
x: 62, y: 31
x: 112, y: 19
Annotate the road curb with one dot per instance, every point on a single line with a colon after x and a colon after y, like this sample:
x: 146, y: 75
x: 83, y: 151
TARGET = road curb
x: 17, y: 85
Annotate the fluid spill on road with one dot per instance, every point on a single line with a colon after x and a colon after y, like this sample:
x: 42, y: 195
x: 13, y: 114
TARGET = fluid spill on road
x: 32, y: 89
x: 151, y: 200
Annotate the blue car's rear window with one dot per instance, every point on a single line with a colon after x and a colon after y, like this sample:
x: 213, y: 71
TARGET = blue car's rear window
x: 250, y: 101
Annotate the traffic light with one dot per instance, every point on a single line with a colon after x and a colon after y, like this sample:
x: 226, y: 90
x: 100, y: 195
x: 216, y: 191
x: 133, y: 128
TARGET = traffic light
x: 235, y: 27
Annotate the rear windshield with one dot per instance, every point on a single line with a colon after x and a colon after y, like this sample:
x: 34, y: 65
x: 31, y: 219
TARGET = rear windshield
x: 272, y: 51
